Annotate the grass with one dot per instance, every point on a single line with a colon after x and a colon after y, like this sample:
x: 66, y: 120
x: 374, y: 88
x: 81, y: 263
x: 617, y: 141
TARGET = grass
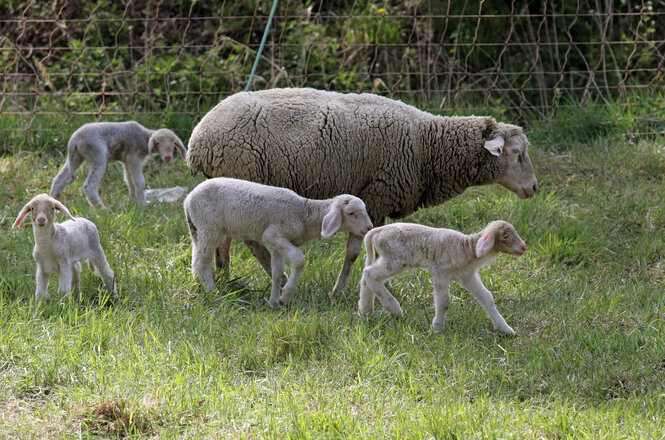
x: 171, y: 361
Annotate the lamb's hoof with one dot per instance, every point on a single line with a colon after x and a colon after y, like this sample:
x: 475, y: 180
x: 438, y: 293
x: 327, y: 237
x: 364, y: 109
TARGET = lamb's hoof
x: 437, y: 329
x: 507, y: 330
x: 275, y: 305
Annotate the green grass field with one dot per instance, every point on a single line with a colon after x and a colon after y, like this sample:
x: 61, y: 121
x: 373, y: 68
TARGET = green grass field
x: 170, y: 361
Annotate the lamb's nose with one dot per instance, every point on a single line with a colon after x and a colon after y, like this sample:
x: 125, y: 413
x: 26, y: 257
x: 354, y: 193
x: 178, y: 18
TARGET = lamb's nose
x: 41, y: 221
x: 535, y: 187
x: 167, y: 159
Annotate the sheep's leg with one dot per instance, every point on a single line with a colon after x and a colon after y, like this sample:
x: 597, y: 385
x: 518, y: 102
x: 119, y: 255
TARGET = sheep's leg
x: 202, y: 255
x: 474, y: 285
x: 223, y: 253
x: 353, y: 245
x: 76, y: 279
x: 134, y: 167
x: 377, y: 274
x: 263, y: 256
x: 42, y: 284
x: 441, y: 301
x: 91, y: 184
x: 66, y: 174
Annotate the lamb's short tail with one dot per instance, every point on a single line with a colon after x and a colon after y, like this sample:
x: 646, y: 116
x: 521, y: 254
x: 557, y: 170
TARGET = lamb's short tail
x: 369, y: 248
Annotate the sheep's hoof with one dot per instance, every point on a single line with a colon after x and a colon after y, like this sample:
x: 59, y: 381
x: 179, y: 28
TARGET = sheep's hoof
x: 275, y: 304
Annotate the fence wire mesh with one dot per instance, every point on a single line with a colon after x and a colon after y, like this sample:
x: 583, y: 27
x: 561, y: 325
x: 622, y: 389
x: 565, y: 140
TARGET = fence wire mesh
x: 169, y: 62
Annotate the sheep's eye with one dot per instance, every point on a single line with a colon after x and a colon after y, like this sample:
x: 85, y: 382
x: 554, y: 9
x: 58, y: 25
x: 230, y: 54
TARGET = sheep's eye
x: 351, y: 213
x: 505, y: 236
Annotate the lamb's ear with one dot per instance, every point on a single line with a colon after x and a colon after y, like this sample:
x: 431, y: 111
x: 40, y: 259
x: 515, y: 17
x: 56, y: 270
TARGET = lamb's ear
x: 151, y: 145
x: 21, y: 216
x: 485, y: 244
x: 332, y: 221
x: 180, y: 146
x: 495, y: 146
x: 60, y: 207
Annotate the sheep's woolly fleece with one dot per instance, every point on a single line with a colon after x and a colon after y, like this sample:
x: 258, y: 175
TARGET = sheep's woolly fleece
x: 320, y: 144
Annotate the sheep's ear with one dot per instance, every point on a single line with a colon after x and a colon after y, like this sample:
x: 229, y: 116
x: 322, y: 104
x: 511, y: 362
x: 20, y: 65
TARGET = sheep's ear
x: 485, y: 244
x: 60, y: 207
x: 495, y: 146
x: 332, y: 221
x: 21, y: 216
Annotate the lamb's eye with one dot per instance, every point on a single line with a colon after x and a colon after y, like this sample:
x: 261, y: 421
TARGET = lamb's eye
x: 505, y: 236
x: 351, y: 214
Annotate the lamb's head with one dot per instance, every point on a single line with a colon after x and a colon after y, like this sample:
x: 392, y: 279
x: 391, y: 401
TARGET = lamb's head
x: 164, y: 141
x: 500, y: 236
x: 346, y: 213
x: 509, y: 145
x: 42, y: 208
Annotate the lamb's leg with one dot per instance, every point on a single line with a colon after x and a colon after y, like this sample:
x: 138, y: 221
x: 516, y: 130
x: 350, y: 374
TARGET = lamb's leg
x: 263, y: 256
x: 377, y: 274
x: 223, y: 253
x: 366, y: 302
x: 76, y: 279
x: 127, y: 177
x: 297, y: 260
x: 202, y: 255
x: 134, y: 167
x: 104, y: 271
x: 441, y: 301
x: 474, y: 285
x: 66, y: 275
x: 278, y: 261
x: 91, y: 184
x: 41, y: 280
x: 353, y: 245
x: 66, y: 174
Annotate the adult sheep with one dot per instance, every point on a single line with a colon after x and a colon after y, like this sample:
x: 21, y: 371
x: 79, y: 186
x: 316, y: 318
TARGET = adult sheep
x: 390, y: 154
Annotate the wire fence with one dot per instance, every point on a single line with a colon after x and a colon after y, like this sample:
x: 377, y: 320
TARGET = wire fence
x: 165, y: 62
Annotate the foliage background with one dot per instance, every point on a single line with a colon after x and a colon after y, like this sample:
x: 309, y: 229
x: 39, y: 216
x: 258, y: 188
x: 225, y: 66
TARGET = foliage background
x: 167, y: 62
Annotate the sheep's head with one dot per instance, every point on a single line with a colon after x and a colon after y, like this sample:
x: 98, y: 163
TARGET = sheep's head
x: 42, y: 209
x: 347, y: 213
x: 500, y: 236
x: 510, y: 145
x: 164, y: 141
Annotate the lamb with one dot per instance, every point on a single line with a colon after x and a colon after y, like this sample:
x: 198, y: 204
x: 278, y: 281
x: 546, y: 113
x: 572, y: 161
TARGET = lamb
x: 276, y: 219
x: 392, y: 155
x: 103, y: 142
x: 448, y: 254
x: 60, y: 247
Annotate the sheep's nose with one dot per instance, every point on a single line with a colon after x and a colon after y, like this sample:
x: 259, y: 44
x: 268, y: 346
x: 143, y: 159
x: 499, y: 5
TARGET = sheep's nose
x: 523, y: 248
x: 368, y: 228
x: 41, y: 221
x: 535, y: 187
x: 167, y: 159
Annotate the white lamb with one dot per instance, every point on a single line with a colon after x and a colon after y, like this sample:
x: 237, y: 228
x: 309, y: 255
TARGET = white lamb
x: 60, y: 246
x: 448, y: 254
x: 101, y: 143
x: 265, y: 216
